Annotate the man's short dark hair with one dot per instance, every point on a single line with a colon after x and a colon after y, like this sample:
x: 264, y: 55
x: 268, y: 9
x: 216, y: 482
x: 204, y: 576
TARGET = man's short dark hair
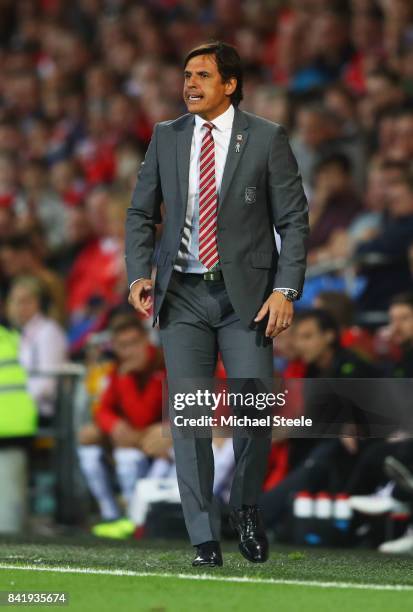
x: 339, y: 305
x: 228, y: 63
x: 18, y: 242
x: 403, y: 299
x: 125, y: 322
x: 323, y: 319
x: 335, y: 159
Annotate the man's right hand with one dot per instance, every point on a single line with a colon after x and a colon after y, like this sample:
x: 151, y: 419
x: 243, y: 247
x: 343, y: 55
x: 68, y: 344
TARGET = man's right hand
x: 140, y: 296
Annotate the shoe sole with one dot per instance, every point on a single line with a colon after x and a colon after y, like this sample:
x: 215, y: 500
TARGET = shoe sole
x: 252, y: 560
x: 208, y: 565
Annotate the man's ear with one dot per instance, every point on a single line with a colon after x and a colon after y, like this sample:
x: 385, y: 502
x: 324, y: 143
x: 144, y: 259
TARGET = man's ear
x: 230, y: 86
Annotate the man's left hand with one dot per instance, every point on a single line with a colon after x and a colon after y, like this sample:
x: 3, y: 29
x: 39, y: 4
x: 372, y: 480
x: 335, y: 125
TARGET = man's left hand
x: 280, y: 311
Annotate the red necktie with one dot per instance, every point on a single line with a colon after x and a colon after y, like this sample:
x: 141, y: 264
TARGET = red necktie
x: 208, y: 251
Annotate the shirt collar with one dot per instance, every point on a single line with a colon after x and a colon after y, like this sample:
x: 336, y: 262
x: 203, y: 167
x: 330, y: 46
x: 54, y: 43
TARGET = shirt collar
x: 222, y: 122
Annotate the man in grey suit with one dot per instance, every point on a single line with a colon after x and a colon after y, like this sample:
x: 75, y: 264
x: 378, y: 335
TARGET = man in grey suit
x: 227, y: 178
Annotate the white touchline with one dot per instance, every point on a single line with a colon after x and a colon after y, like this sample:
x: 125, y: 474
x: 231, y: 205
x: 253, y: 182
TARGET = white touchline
x: 246, y: 579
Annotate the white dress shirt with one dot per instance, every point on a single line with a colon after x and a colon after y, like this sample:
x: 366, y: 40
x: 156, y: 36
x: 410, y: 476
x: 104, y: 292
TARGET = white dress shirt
x: 43, y: 347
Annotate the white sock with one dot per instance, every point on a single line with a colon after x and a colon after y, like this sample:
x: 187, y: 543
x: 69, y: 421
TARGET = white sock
x: 97, y: 478
x: 131, y: 464
x: 160, y: 468
x: 224, y: 468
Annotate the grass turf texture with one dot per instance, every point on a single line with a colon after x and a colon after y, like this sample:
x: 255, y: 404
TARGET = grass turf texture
x: 170, y: 594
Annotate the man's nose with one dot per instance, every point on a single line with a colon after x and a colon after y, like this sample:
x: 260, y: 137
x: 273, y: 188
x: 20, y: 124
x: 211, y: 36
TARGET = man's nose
x: 191, y: 82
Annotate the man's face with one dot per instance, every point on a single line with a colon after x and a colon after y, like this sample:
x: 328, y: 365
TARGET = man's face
x: 23, y: 305
x: 205, y: 93
x: 311, y: 128
x: 11, y: 261
x: 311, y: 343
x: 333, y: 178
x: 378, y: 186
x: 131, y: 346
x: 404, y: 137
x: 400, y: 199
x: 401, y: 323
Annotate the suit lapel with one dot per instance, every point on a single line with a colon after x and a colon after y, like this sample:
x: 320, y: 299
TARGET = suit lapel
x: 237, y: 144
x: 183, y: 154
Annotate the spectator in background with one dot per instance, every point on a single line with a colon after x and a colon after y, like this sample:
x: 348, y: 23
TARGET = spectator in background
x: 328, y: 48
x: 43, y: 345
x: 401, y: 329
x: 341, y: 101
x: 372, y: 217
x: 319, y: 134
x: 333, y: 206
x: 8, y: 222
x: 318, y: 343
x: 368, y: 222
x: 9, y: 178
x: 128, y: 407
x: 370, y: 473
x: 402, y: 147
x: 329, y: 463
x: 98, y: 272
x: 42, y: 205
x: 342, y: 308
x: 384, y: 91
x: 272, y: 103
x: 77, y: 235
x: 388, y: 272
x: 23, y: 254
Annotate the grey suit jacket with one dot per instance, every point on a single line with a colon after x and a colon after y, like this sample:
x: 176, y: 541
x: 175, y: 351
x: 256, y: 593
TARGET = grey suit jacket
x: 261, y: 189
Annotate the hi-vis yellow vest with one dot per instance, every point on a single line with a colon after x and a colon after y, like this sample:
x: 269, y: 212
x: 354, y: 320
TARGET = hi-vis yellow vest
x: 18, y: 414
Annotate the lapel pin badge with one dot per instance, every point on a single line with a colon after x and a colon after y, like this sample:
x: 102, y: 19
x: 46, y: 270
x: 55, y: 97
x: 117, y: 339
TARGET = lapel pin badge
x: 238, y: 143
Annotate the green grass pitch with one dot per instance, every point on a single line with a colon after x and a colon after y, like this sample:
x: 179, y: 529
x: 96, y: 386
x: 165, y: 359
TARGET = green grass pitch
x: 98, y: 575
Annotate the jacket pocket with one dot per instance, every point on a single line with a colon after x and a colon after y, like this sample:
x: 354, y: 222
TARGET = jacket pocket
x: 261, y: 259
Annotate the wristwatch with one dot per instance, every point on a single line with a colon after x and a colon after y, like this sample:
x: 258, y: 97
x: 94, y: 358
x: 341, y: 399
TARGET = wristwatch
x: 290, y: 294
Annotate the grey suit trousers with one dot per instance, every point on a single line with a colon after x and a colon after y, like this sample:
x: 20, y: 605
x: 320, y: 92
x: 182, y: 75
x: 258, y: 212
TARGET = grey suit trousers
x: 196, y: 321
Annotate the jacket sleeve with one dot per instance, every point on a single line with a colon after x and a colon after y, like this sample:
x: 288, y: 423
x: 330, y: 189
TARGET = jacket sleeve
x: 290, y: 212
x: 392, y: 242
x: 143, y: 214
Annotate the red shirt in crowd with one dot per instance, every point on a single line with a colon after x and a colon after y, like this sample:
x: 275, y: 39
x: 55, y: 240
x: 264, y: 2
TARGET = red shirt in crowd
x: 125, y: 398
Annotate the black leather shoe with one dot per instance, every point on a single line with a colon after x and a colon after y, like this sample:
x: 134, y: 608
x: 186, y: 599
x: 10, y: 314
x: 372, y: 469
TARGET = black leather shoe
x: 253, y: 542
x: 208, y: 554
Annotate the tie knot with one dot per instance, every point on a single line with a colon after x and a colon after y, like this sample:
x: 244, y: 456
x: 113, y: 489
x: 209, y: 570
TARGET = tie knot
x: 209, y: 125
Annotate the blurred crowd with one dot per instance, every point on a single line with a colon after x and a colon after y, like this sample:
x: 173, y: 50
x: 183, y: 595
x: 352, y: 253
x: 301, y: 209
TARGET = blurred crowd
x: 82, y: 85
